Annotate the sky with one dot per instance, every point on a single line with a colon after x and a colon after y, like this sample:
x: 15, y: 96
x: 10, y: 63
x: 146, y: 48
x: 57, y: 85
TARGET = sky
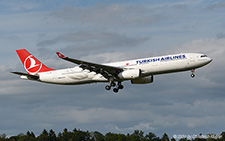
x: 104, y: 31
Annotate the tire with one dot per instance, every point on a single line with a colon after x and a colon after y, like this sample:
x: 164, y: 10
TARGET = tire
x: 115, y: 90
x: 107, y: 87
x: 113, y: 84
x: 120, y: 87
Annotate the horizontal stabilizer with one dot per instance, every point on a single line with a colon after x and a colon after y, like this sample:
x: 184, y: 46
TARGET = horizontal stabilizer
x: 29, y: 76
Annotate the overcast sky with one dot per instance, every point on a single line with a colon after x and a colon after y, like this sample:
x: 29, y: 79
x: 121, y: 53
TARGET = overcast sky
x: 105, y: 31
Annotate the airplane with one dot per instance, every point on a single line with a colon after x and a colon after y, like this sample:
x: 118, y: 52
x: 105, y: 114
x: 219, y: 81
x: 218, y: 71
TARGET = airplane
x: 138, y: 71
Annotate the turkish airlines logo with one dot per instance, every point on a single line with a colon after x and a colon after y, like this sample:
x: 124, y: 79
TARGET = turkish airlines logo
x: 32, y: 65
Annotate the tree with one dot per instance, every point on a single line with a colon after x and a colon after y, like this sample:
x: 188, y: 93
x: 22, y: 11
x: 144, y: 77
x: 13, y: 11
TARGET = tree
x: 66, y: 135
x: 111, y: 137
x: 65, y: 130
x: 165, y: 137
x: 81, y: 136
x: 32, y: 134
x: 28, y: 137
x: 200, y: 137
x: 173, y: 139
x: 78, y: 135
x: 151, y: 136
x: 98, y: 136
x: 60, y: 136
x: 75, y: 130
x: 52, y: 135
x: 3, y: 137
x: 222, y: 136
x: 43, y: 136
x: 137, y: 135
x: 184, y: 139
x: 122, y: 137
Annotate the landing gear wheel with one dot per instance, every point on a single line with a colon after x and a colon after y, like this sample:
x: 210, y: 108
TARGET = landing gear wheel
x: 116, y: 90
x: 192, y: 75
x: 117, y: 86
x: 112, y: 84
x: 107, y: 87
x: 120, y: 87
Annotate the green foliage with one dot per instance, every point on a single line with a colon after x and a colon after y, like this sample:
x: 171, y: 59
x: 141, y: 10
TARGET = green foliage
x: 165, y: 137
x: 97, y: 136
x: 151, y: 137
x: 115, y: 137
x: 78, y: 135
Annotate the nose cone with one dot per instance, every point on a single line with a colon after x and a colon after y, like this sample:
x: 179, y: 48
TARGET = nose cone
x: 203, y: 60
x: 209, y: 60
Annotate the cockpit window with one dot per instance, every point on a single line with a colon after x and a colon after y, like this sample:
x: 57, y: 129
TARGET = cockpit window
x: 203, y: 55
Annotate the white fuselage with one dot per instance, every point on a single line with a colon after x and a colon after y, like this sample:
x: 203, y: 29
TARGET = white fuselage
x: 148, y: 67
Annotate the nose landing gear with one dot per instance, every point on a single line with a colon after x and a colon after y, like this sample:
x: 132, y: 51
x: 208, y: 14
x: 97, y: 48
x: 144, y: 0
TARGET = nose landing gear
x: 192, y: 73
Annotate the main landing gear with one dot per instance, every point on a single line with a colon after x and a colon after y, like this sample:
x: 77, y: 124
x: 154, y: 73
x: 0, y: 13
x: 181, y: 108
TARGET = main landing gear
x: 113, y: 84
x: 192, y: 73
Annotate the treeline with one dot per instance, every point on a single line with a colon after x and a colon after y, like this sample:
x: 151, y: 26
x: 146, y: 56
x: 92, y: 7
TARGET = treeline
x: 78, y: 135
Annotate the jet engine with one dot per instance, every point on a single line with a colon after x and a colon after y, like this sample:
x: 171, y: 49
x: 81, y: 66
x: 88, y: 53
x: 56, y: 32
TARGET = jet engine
x: 143, y: 80
x: 130, y: 74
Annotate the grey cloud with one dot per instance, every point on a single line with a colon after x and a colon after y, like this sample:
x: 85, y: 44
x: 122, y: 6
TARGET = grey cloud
x: 13, y: 37
x: 88, y: 42
x: 146, y: 126
x: 214, y: 48
x: 92, y: 37
x: 110, y: 15
x: 18, y: 6
x: 220, y: 35
x: 216, y: 5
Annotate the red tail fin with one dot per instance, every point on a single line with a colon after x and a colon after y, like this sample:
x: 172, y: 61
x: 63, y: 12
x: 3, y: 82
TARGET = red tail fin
x: 30, y: 63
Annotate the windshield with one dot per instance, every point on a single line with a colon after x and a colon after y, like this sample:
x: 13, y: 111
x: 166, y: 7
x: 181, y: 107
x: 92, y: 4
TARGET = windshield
x: 203, y: 55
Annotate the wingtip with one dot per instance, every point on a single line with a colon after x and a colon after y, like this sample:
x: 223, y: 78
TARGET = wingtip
x: 60, y: 55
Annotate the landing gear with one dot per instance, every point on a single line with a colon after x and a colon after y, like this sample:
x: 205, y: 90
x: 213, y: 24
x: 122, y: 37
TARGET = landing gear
x: 113, y: 84
x: 192, y: 74
x: 120, y: 86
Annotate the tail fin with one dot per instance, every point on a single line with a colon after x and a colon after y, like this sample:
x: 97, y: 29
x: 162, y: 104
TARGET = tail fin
x: 30, y: 63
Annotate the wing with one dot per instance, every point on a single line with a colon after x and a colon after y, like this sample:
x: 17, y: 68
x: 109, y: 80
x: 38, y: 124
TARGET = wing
x: 109, y: 72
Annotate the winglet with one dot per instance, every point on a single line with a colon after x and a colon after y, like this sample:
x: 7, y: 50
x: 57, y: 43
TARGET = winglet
x: 60, y: 55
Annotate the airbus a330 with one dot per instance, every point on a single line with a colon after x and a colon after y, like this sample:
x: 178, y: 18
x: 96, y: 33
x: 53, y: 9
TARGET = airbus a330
x: 138, y: 71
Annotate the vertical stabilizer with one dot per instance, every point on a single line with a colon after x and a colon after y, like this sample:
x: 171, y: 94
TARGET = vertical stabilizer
x: 30, y: 63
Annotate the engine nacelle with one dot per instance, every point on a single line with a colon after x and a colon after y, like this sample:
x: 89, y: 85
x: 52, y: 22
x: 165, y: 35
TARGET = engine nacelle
x: 143, y: 80
x: 130, y: 74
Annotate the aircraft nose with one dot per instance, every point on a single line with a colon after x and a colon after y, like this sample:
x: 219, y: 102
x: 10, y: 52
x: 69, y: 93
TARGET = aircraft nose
x: 210, y: 60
